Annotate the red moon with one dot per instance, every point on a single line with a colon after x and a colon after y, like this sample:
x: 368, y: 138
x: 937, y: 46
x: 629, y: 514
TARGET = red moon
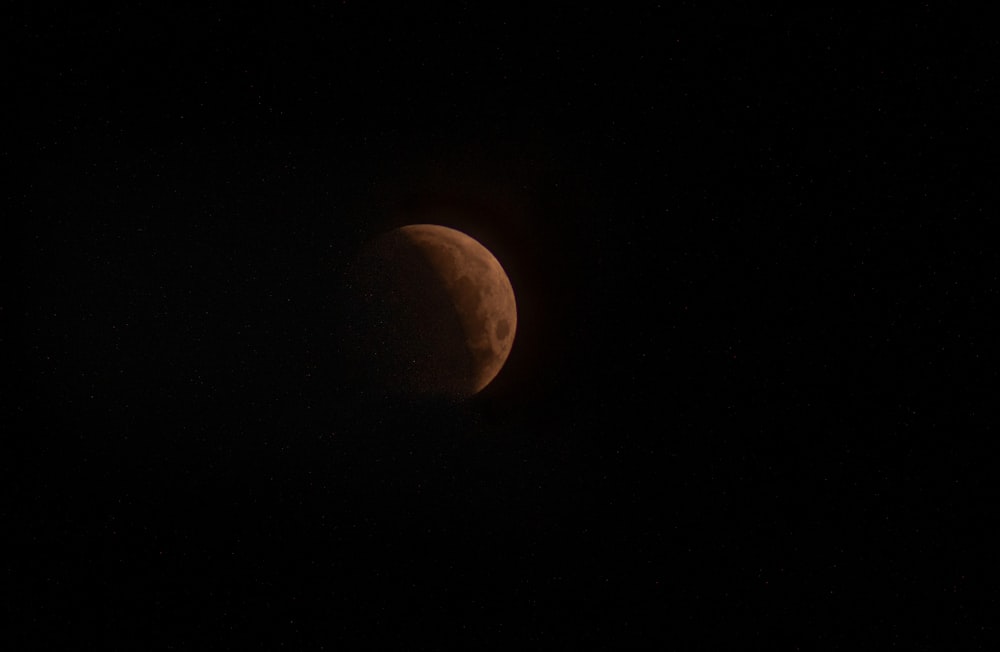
x: 441, y: 313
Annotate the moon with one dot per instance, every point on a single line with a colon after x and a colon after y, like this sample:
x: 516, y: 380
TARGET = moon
x: 438, y: 312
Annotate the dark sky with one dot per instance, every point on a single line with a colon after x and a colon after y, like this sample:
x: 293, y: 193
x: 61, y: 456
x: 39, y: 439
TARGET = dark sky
x: 753, y: 374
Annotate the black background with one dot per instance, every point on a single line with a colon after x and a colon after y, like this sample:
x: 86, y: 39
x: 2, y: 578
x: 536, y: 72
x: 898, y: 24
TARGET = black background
x: 753, y: 374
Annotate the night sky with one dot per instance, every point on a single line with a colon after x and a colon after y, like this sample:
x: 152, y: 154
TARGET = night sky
x: 752, y: 395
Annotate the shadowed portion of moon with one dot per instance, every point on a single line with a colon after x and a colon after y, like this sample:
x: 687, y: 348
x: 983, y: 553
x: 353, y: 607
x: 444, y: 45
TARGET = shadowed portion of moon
x: 435, y: 314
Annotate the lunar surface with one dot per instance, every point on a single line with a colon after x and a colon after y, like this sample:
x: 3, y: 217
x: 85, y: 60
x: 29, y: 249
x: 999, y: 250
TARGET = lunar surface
x: 438, y: 314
